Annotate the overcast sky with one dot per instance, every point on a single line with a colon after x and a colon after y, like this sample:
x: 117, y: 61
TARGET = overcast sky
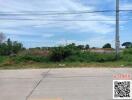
x: 43, y: 30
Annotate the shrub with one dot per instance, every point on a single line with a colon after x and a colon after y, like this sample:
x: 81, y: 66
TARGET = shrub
x: 91, y: 57
x: 76, y: 58
x: 27, y: 58
x: 127, y: 57
x: 128, y: 51
x: 2, y: 59
x: 62, y: 52
x: 105, y: 57
x: 10, y: 47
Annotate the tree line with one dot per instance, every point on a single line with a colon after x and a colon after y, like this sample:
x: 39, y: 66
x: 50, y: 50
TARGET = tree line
x: 9, y: 47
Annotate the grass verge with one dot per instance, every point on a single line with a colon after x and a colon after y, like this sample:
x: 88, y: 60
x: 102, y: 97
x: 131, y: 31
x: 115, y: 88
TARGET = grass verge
x: 34, y: 65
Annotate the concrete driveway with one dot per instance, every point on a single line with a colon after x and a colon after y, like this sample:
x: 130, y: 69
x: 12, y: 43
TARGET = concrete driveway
x: 58, y: 84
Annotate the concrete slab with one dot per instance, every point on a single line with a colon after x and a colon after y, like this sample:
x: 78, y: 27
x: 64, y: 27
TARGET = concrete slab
x: 25, y: 73
x: 49, y: 99
x: 82, y: 72
x: 15, y: 89
x: 17, y: 84
x: 78, y: 84
x: 59, y: 84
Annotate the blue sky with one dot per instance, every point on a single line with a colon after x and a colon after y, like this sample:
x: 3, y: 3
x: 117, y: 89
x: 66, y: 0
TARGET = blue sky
x: 36, y: 32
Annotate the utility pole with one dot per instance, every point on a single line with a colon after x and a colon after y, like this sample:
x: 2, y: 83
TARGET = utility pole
x: 117, y: 38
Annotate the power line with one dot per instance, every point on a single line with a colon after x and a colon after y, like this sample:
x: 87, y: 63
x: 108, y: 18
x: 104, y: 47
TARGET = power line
x: 20, y: 19
x: 59, y: 13
x: 54, y: 13
x: 125, y: 10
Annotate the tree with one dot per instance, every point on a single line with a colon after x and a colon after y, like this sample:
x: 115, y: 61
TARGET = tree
x: 108, y: 45
x: 127, y: 44
x: 2, y: 37
x: 94, y: 47
x: 9, y: 47
x: 87, y: 46
x: 62, y: 52
x: 81, y: 47
x: 17, y: 47
x: 3, y: 49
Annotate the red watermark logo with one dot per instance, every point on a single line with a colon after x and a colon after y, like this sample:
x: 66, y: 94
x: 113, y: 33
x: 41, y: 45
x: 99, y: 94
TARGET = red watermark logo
x: 122, y: 76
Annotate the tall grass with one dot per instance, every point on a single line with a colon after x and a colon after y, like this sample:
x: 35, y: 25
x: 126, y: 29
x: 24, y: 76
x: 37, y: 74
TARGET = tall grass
x: 128, y: 51
x: 91, y: 57
x: 27, y: 58
x: 127, y: 55
x: 68, y: 55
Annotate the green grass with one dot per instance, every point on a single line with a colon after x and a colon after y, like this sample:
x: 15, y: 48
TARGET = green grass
x: 35, y: 65
x: 75, y: 60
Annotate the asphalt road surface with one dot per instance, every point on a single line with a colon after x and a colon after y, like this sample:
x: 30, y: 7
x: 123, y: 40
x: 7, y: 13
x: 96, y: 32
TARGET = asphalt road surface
x: 59, y: 84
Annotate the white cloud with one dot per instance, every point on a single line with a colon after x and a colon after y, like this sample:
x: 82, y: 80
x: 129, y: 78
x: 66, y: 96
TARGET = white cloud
x: 126, y: 6
x: 101, y: 27
x: 47, y: 35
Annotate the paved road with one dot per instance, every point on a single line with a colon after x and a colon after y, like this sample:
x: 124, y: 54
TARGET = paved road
x: 58, y: 84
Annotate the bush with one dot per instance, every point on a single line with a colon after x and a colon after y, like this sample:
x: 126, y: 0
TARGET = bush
x: 105, y: 57
x: 62, y: 52
x: 127, y: 57
x: 10, y: 47
x: 27, y: 58
x: 90, y: 57
x: 128, y: 51
x: 76, y: 58
x: 72, y: 53
x: 2, y: 59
